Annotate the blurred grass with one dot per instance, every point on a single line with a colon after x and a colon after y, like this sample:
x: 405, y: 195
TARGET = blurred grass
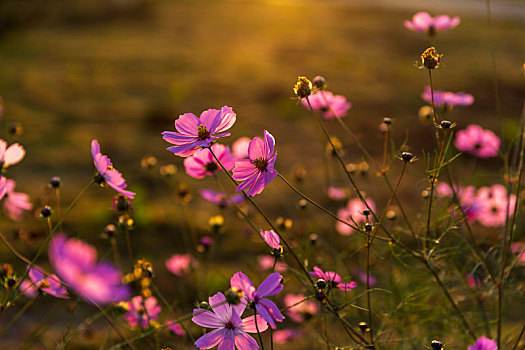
x: 123, y: 74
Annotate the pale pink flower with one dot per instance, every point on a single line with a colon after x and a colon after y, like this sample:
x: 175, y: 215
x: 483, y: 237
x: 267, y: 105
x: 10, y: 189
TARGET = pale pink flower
x: 175, y: 328
x: 518, y: 248
x: 202, y: 162
x: 266, y: 262
x: 284, y: 335
x: 423, y: 22
x: 494, y: 203
x: 240, y: 148
x: 353, y: 210
x: 336, y: 193
x: 15, y: 203
x: 477, y: 141
x: 447, y: 98
x: 181, y: 264
x: 10, y: 155
x: 303, y: 310
x: 141, y: 312
x: 325, y: 104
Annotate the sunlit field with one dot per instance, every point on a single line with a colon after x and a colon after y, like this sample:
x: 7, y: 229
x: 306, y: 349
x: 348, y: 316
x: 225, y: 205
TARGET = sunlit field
x: 346, y: 173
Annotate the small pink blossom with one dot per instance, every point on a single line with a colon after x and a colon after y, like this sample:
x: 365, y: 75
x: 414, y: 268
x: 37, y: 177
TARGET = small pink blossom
x: 325, y: 104
x: 230, y: 330
x: 304, y: 308
x: 175, y: 328
x: 353, y: 211
x: 10, y: 155
x: 477, y: 141
x: 108, y: 174
x: 194, y: 133
x: 494, y: 203
x: 258, y: 171
x: 473, y: 281
x: 220, y: 198
x: 271, y: 238
x: 362, y: 277
x: 336, y: 193
x: 446, y: 98
x: 240, y: 148
x: 181, y: 264
x: 333, y: 279
x: 15, y: 203
x: 423, y: 22
x: 284, y: 335
x: 141, y: 312
x: 483, y: 343
x: 29, y: 289
x: 203, y: 163
x: 267, y: 262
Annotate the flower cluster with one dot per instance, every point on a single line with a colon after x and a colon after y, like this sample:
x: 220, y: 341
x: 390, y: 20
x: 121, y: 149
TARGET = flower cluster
x: 447, y: 99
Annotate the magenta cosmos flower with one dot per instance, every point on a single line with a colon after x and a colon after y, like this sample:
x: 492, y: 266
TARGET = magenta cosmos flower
x: 140, y: 312
x: 466, y: 197
x: 193, y: 133
x: 203, y: 163
x: 50, y: 285
x: 333, y: 279
x: 220, y: 198
x: 477, y: 141
x: 180, y: 264
x: 15, y: 203
x: 230, y: 330
x: 108, y: 174
x: 446, y: 98
x: 483, y: 343
x: 258, y: 171
x: 494, y: 202
x: 353, y: 211
x: 76, y: 263
x: 271, y: 238
x: 175, y: 328
x: 270, y: 286
x: 423, y: 22
x: 10, y: 155
x: 284, y: 335
x: 325, y: 104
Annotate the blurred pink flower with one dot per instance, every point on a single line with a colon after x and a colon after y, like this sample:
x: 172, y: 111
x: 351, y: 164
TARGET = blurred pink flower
x: 266, y: 262
x: 353, y: 210
x: 282, y: 336
x: 108, y: 174
x: 141, y: 312
x: 28, y: 289
x: 258, y: 171
x: 332, y: 279
x: 203, y: 163
x: 175, y: 328
x: 240, y: 148
x: 220, y: 198
x: 446, y: 98
x: 423, y: 22
x: 50, y: 285
x: 494, y: 202
x: 10, y: 155
x: 477, y: 141
x: 193, y: 133
x: 15, y: 203
x: 483, y: 343
x: 336, y: 193
x: 362, y: 277
x: 180, y: 264
x: 230, y: 330
x: 326, y: 104
x: 519, y: 248
x: 473, y: 281
x: 303, y: 309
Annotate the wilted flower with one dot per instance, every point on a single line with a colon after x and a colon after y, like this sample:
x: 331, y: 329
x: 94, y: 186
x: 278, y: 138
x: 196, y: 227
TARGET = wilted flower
x: 76, y: 263
x: 108, y: 174
x: 270, y: 286
x: 15, y: 203
x: 327, y: 105
x: 203, y: 163
x: 10, y: 155
x: 477, y: 141
x: 258, y: 171
x: 353, y: 210
x: 423, y: 22
x: 447, y: 99
x: 140, y: 312
x: 303, y: 309
x: 483, y: 343
x: 193, y: 133
x: 333, y: 279
x: 230, y: 330
x: 180, y: 264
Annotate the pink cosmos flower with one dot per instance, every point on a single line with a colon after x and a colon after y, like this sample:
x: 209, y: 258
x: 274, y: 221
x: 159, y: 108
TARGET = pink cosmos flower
x: 175, y: 328
x: 270, y: 286
x: 10, y: 155
x: 353, y: 210
x: 483, y: 343
x: 267, y: 262
x: 494, y: 202
x: 423, y: 22
x: 203, y: 163
x: 473, y: 281
x: 284, y: 335
x: 180, y: 264
x: 108, y: 174
x: 271, y: 238
x: 519, y: 249
x: 220, y: 198
x: 15, y: 203
x: 230, y: 330
x: 325, y: 104
x: 141, y: 312
x: 3, y: 186
x: 362, y: 277
x: 28, y: 289
x: 258, y: 171
x: 303, y: 309
x: 477, y: 141
x: 240, y: 148
x: 50, y: 285
x: 76, y: 263
x: 333, y: 279
x: 336, y: 193
x: 447, y: 99
x: 193, y: 133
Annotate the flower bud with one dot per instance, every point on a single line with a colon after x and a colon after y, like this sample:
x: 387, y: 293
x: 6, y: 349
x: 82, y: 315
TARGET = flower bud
x: 363, y: 326
x: 436, y: 345
x: 45, y: 212
x: 54, y: 182
x: 321, y: 283
x: 387, y: 121
x: 15, y: 129
x: 313, y: 238
x: 407, y: 157
x: 368, y: 227
x: 319, y: 82
x: 445, y: 124
x: 430, y: 58
x: 303, y: 87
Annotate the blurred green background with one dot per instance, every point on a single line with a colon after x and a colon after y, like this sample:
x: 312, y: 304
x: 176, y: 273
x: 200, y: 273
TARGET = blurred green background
x: 121, y: 71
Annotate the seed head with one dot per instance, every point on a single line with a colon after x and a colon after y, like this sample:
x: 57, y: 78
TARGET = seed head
x: 407, y: 157
x: 430, y: 58
x: 303, y: 87
x: 45, y: 211
x: 436, y: 345
x: 319, y: 83
x: 54, y: 182
x: 363, y: 326
x: 321, y: 284
x: 387, y: 120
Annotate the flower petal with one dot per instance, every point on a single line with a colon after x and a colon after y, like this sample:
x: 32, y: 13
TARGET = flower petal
x: 209, y: 340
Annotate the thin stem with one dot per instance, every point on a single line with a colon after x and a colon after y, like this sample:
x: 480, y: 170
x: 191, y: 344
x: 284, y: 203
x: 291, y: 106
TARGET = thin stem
x: 257, y: 327
x: 17, y: 316
x: 315, y: 203
x: 519, y: 338
x: 57, y: 194
x: 368, y: 296
x: 385, y: 149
